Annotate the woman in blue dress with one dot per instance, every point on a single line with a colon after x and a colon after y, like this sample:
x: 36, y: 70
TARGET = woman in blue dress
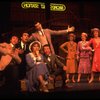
x: 37, y: 71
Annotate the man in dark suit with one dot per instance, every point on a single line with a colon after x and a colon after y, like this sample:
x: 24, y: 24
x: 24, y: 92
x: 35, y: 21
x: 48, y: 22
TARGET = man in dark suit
x: 54, y: 65
x: 23, y: 47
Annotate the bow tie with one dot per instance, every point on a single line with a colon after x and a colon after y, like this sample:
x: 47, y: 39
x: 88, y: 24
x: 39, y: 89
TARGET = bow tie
x: 48, y: 58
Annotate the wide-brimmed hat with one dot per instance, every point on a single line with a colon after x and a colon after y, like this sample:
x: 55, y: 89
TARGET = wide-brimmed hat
x: 95, y: 29
x: 34, y: 42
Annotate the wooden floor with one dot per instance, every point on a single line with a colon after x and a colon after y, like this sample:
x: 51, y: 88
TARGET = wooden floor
x: 73, y: 90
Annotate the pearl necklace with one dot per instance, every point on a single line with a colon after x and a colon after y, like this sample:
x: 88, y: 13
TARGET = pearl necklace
x: 83, y: 44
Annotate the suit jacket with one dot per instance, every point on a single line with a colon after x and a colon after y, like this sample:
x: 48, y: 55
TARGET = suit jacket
x: 54, y: 63
x: 22, y: 68
x: 48, y: 33
x: 26, y: 49
x: 6, y: 57
x: 24, y: 53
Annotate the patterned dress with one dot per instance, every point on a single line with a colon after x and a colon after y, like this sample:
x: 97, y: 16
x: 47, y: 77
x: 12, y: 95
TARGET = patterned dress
x: 84, y: 55
x: 71, y: 57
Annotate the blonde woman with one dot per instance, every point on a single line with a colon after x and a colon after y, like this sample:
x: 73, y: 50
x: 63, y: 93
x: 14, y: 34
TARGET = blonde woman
x: 84, y: 56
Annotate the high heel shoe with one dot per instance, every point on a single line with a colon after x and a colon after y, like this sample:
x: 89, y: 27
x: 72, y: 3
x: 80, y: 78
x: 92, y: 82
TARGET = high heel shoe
x: 78, y: 80
x: 87, y: 78
x: 67, y: 81
x: 91, y: 80
x: 73, y: 80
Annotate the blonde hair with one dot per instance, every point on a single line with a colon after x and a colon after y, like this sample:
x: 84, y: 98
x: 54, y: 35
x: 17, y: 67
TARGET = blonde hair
x: 85, y: 34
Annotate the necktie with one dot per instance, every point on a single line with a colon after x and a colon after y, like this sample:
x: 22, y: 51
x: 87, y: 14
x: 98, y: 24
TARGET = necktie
x: 42, y: 32
x: 49, y: 58
x: 23, y: 46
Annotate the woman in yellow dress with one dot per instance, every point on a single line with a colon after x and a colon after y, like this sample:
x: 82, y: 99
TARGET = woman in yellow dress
x: 70, y: 48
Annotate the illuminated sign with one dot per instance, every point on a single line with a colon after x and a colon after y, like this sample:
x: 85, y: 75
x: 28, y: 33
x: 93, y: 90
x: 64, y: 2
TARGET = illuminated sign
x: 53, y: 6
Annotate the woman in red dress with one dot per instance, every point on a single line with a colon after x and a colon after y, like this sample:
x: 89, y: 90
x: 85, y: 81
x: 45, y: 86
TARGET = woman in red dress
x: 96, y: 48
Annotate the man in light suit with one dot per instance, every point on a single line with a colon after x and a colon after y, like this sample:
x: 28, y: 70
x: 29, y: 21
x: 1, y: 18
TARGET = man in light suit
x: 44, y: 35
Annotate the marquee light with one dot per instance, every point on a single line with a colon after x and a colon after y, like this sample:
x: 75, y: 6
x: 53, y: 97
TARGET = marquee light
x: 53, y: 6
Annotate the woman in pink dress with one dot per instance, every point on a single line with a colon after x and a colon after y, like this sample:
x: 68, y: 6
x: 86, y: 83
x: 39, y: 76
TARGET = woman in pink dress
x: 96, y: 48
x: 84, y: 56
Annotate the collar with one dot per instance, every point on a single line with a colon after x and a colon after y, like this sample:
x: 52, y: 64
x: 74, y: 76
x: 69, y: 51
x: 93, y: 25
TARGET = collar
x: 11, y: 45
x: 41, y: 32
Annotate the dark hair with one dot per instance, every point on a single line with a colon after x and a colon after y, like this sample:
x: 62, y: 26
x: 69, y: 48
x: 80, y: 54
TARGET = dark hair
x: 71, y: 34
x: 36, y: 22
x: 46, y: 45
x: 13, y: 36
x: 34, y: 44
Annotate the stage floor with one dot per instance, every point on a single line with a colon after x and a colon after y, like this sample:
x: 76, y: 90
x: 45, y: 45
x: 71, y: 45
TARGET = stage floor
x: 81, y: 86
x: 73, y: 90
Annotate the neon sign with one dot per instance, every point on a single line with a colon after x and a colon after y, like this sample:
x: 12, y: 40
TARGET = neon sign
x: 53, y: 6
